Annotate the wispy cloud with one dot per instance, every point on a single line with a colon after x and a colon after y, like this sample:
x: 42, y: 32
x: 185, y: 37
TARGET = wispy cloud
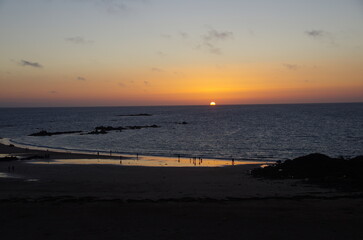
x: 321, y: 35
x: 316, y: 33
x: 213, y: 35
x: 212, y: 48
x: 184, y: 35
x: 81, y: 78
x: 53, y: 92
x: 30, y: 64
x: 154, y: 69
x: 121, y: 84
x: 160, y: 53
x: 78, y: 40
x: 167, y: 36
x: 118, y: 6
x: 179, y: 74
x: 292, y: 67
x: 126, y: 83
x: 114, y: 6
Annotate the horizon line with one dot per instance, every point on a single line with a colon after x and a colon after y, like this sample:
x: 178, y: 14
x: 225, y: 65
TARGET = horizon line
x: 190, y: 105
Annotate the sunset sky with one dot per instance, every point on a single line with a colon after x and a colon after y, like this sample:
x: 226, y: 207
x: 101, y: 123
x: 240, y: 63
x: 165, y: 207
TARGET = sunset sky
x: 172, y: 52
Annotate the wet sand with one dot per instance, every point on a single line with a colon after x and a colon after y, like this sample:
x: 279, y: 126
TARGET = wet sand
x: 48, y: 201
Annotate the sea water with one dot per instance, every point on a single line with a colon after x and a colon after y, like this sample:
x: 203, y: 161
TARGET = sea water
x: 241, y: 132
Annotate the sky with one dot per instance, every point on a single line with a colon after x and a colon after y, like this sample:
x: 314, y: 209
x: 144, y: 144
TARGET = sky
x: 170, y: 52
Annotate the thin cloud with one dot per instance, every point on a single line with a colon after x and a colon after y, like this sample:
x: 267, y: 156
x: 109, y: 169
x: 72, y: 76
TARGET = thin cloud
x: 213, y: 35
x: 30, y: 64
x: 212, y: 48
x: 292, y: 67
x: 53, y: 92
x: 81, y: 78
x: 167, y: 36
x: 118, y: 6
x: 209, y: 47
x: 321, y: 35
x: 112, y: 6
x: 316, y: 33
x: 161, y: 54
x: 146, y: 83
x: 184, y: 35
x: 78, y: 40
x: 179, y: 74
x: 157, y: 70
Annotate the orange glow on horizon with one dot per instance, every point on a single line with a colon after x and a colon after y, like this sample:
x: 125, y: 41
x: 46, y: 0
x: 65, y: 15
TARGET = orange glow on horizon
x: 255, y: 84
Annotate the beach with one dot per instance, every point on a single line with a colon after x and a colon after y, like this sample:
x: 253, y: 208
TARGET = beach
x: 66, y: 201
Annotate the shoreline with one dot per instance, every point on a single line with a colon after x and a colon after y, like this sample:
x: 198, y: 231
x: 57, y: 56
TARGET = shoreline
x: 7, y: 142
x: 75, y: 153
x: 8, y: 148
x: 16, y: 150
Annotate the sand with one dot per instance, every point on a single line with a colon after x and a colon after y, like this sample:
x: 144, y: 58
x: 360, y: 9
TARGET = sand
x: 48, y: 201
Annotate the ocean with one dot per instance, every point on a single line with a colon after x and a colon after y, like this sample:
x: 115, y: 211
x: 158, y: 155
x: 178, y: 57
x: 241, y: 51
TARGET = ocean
x: 242, y: 132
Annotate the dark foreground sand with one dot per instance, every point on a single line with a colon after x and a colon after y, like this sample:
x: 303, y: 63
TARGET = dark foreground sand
x: 250, y: 219
x: 117, y: 202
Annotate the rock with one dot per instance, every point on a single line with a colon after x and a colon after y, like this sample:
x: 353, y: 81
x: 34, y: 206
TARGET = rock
x: 45, y: 133
x: 317, y: 168
x: 135, y: 115
x: 106, y: 129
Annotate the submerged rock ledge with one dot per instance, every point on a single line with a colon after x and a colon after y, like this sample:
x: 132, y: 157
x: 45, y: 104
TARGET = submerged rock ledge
x: 106, y: 129
x: 45, y: 133
x: 97, y: 130
x: 135, y: 115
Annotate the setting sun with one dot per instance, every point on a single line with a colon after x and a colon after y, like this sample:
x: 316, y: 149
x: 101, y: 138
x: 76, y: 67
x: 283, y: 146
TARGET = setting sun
x: 212, y: 103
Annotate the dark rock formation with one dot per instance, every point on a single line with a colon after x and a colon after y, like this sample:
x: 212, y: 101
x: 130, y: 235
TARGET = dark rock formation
x: 45, y: 133
x: 318, y: 168
x: 135, y: 115
x: 106, y: 129
x: 97, y: 130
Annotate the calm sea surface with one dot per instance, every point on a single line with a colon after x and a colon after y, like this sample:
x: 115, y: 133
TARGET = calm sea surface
x: 243, y: 132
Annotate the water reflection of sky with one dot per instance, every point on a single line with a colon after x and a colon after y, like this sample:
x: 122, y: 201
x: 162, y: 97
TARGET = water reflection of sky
x: 151, y: 162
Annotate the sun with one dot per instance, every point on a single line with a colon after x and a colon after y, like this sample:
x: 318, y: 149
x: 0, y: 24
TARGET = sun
x: 212, y: 103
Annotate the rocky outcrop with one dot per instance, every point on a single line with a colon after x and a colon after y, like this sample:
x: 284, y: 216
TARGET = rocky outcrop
x: 45, y: 133
x: 318, y: 168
